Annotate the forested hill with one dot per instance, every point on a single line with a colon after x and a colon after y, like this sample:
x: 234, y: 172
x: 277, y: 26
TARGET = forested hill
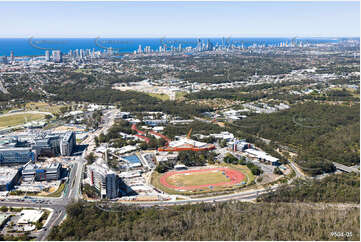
x: 338, y: 188
x: 320, y: 133
x: 221, y: 221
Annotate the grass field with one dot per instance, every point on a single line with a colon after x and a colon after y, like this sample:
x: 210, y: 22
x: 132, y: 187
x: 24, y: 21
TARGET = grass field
x: 58, y: 192
x: 18, y: 119
x: 43, y: 107
x: 180, y: 95
x: 197, y: 179
x: 163, y: 97
x: 84, y: 71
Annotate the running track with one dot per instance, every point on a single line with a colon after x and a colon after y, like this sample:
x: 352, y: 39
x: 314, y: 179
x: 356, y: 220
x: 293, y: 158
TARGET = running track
x: 234, y: 175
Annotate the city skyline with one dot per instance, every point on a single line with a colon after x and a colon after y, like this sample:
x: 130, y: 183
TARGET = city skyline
x: 179, y: 19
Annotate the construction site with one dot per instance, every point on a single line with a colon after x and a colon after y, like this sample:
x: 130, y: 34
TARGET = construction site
x: 182, y: 144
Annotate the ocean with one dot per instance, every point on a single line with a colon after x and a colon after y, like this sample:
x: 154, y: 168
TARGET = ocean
x: 38, y: 46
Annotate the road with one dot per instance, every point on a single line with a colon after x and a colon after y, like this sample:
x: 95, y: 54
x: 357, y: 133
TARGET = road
x: 345, y: 168
x: 243, y: 196
x: 75, y: 177
x: 297, y: 170
x: 57, y: 217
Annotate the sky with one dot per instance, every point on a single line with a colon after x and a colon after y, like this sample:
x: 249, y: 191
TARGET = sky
x: 179, y: 19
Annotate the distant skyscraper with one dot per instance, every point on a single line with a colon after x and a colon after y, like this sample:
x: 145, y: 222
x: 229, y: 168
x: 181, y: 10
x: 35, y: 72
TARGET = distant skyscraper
x: 47, y: 55
x: 76, y: 53
x: 209, y: 45
x: 140, y: 49
x: 199, y: 45
x: 12, y: 58
x: 81, y: 52
x: 92, y: 54
x: 147, y: 49
x: 57, y: 56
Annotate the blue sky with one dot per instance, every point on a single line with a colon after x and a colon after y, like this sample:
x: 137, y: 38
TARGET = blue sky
x: 179, y: 19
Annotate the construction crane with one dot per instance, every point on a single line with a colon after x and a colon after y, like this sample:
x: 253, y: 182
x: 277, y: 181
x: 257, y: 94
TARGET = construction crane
x: 189, y: 134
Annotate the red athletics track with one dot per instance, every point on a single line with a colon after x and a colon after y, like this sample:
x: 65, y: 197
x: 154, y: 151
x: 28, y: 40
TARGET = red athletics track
x: 234, y: 175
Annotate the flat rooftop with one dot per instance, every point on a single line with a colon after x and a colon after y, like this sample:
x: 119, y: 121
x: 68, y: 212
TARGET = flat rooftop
x: 7, y: 174
x: 30, y: 216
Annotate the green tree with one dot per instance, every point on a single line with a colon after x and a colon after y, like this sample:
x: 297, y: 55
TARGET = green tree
x: 90, y: 158
x: 4, y: 209
x: 277, y: 171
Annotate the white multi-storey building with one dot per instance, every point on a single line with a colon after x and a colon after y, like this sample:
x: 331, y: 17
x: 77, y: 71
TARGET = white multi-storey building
x: 103, y: 179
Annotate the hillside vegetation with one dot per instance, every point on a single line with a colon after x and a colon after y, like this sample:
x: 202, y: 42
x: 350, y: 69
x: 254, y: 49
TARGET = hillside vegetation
x: 224, y: 221
x: 320, y: 133
x: 340, y: 188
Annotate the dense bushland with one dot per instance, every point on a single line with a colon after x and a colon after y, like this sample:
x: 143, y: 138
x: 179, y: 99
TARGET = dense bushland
x: 339, y: 188
x: 224, y: 221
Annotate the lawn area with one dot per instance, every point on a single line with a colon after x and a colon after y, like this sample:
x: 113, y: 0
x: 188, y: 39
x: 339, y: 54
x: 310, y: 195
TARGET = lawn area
x: 196, y: 179
x: 18, y: 119
x: 43, y: 107
x: 163, y: 97
x: 84, y: 71
x: 58, y: 192
x: 180, y: 95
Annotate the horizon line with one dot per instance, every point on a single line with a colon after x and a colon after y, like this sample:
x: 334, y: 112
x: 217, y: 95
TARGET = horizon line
x: 192, y: 37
